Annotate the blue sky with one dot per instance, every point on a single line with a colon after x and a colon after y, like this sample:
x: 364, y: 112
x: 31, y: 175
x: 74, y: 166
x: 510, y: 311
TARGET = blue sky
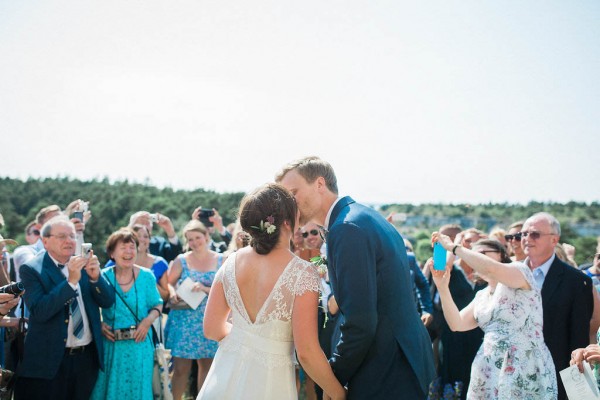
x: 414, y: 102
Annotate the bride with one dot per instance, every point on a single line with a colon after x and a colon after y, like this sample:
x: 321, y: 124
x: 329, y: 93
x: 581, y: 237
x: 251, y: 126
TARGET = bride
x: 272, y: 296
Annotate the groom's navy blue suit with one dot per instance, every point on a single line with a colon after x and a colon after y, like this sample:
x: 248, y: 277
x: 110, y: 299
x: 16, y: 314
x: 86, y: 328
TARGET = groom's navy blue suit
x: 384, y: 350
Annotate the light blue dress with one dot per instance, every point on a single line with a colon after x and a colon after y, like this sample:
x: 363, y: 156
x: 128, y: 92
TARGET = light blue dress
x: 183, y: 332
x: 128, y: 365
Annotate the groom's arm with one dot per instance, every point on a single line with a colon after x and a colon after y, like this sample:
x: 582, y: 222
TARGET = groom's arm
x: 356, y: 293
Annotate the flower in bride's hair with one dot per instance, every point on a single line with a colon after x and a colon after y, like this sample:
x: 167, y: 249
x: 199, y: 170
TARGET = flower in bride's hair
x: 267, y: 226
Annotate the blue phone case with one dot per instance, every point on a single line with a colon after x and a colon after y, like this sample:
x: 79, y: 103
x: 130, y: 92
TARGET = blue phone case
x: 439, y: 257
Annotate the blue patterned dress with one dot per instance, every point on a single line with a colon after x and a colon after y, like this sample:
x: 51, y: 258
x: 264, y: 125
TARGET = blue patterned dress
x: 183, y: 332
x: 128, y: 365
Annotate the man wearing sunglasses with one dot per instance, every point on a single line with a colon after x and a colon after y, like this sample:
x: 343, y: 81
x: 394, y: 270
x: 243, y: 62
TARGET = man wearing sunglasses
x: 567, y: 296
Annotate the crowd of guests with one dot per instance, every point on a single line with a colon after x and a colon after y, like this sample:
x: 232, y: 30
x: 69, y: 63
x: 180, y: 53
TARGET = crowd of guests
x: 507, y: 312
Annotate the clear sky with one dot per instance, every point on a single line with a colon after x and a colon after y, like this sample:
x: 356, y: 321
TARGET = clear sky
x: 449, y: 101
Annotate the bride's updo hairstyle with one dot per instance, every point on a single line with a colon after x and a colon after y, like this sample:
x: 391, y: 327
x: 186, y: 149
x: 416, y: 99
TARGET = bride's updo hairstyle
x: 263, y: 212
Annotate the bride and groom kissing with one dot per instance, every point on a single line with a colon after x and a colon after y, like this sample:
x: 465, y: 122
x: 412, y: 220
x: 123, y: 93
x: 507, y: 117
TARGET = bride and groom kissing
x: 384, y: 350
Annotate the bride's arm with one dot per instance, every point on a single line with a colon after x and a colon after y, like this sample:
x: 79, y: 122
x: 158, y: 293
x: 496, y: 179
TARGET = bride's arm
x: 310, y: 354
x: 217, y: 310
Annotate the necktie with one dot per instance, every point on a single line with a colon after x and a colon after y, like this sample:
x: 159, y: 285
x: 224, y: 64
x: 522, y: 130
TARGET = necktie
x: 76, y: 317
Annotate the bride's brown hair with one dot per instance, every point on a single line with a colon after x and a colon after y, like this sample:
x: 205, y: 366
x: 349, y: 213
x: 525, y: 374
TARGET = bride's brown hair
x: 269, y: 202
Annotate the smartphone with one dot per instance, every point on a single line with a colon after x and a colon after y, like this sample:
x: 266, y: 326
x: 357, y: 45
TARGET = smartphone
x: 204, y: 215
x: 439, y: 257
x: 78, y: 215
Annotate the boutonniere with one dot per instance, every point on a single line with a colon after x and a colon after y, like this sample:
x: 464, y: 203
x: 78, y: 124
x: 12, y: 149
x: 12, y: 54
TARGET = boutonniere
x: 321, y: 263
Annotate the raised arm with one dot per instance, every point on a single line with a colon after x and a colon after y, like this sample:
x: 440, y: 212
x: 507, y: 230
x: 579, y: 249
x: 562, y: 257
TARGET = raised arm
x: 462, y: 320
x: 484, y: 265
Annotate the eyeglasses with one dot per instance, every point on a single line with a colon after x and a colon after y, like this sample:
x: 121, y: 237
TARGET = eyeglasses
x: 313, y: 232
x: 63, y: 236
x: 34, y: 232
x: 516, y: 236
x: 535, y: 235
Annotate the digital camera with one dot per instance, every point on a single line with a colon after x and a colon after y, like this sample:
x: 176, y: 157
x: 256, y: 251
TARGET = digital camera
x: 15, y: 288
x: 204, y: 216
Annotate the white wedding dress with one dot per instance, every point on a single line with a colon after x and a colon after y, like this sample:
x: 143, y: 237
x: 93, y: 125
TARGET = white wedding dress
x: 256, y: 360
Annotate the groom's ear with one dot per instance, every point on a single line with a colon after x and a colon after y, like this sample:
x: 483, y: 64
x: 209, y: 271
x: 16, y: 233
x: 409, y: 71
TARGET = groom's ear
x: 321, y: 184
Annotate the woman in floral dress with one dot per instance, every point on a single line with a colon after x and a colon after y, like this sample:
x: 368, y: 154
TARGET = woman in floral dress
x: 184, y: 332
x: 513, y: 361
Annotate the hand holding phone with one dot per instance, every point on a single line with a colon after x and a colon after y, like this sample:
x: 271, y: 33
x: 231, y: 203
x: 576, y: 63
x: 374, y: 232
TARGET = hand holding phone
x: 439, y: 257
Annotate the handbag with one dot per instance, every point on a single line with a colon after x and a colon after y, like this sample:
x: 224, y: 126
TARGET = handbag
x: 161, y: 380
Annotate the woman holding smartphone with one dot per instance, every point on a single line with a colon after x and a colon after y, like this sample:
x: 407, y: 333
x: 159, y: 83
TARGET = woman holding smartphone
x: 513, y: 361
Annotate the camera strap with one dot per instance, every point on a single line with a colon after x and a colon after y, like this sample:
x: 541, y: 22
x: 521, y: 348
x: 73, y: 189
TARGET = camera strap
x: 137, y: 320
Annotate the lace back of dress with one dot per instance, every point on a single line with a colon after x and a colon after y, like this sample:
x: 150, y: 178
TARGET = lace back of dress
x: 298, y: 277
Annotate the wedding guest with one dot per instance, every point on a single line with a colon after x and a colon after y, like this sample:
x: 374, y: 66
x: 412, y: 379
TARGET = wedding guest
x: 128, y: 346
x: 32, y: 233
x: 240, y: 239
x: 215, y: 226
x: 64, y: 349
x: 594, y: 271
x: 513, y: 361
x: 567, y: 294
x: 156, y: 264
x: 159, y: 246
x: 513, y: 238
x: 183, y: 331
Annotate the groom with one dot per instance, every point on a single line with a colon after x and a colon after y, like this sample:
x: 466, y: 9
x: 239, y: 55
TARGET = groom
x: 384, y: 350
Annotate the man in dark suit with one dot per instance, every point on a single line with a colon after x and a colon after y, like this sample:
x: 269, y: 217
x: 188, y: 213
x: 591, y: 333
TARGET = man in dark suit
x: 567, y: 296
x: 63, y: 345
x: 384, y: 350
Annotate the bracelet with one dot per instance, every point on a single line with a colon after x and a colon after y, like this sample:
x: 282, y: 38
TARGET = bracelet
x: 155, y: 309
x: 454, y: 249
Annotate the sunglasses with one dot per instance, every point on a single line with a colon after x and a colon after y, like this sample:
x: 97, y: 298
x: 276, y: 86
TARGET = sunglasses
x: 535, y: 235
x: 313, y: 232
x: 34, y: 232
x: 516, y: 236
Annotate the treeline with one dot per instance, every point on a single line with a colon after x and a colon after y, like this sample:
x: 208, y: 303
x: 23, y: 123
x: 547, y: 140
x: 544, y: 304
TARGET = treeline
x: 112, y: 204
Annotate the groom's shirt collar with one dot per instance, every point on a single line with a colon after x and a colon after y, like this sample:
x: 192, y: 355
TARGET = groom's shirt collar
x: 326, y: 225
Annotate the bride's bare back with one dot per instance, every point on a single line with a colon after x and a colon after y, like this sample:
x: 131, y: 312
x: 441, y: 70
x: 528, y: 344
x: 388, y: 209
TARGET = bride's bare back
x: 256, y: 276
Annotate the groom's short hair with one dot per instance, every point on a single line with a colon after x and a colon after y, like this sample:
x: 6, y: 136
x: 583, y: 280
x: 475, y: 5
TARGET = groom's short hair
x: 310, y: 168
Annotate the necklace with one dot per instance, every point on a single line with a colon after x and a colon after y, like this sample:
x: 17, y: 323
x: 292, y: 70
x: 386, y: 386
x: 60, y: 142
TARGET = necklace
x: 127, y: 283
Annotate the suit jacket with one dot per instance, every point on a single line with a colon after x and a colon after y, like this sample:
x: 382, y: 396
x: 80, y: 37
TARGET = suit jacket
x: 159, y: 246
x: 382, y: 338
x: 47, y: 295
x: 568, y: 303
